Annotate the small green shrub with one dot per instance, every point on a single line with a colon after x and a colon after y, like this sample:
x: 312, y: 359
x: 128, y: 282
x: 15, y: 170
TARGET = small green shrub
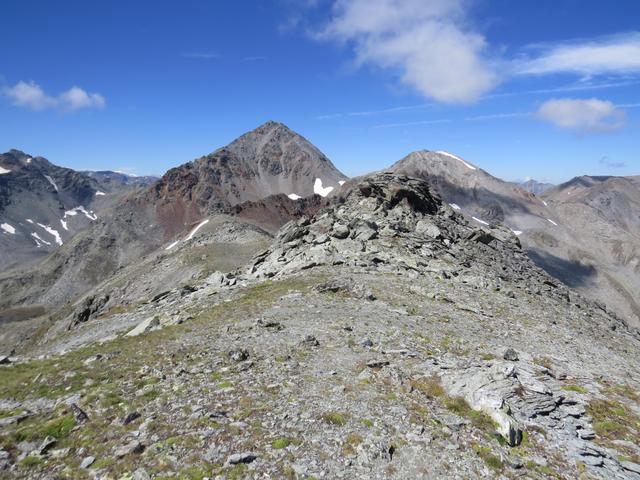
x: 335, y: 418
x: 280, y: 443
x: 574, y: 388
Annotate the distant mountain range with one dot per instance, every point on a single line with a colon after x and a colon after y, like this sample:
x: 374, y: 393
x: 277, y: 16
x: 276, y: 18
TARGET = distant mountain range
x: 117, y: 180
x: 534, y: 186
x: 42, y: 206
x: 97, y: 224
x: 432, y: 320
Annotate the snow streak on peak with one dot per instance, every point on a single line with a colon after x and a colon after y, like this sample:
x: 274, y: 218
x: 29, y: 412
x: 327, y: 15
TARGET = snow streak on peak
x: 451, y: 155
x: 51, y: 182
x: 74, y: 211
x: 198, y: 227
x: 172, y: 245
x: 39, y: 240
x: 4, y: 170
x: 53, y: 232
x: 480, y: 221
x: 294, y: 196
x: 8, y: 228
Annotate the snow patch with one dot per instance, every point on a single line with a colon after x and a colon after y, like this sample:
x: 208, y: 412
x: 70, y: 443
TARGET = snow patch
x: 8, y: 228
x: 53, y: 232
x: 29, y: 160
x: 3, y: 171
x: 198, y: 227
x: 545, y: 203
x: 480, y: 221
x: 454, y: 206
x: 29, y: 220
x: 341, y: 182
x: 126, y: 174
x: 64, y: 225
x: 551, y: 221
x: 320, y: 190
x: 39, y: 241
x: 294, y: 196
x: 172, y: 245
x: 99, y: 193
x: 51, y: 182
x: 74, y: 211
x: 517, y: 232
x: 447, y: 154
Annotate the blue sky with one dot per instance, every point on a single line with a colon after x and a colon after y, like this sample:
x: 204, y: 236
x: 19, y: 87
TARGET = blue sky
x: 543, y: 89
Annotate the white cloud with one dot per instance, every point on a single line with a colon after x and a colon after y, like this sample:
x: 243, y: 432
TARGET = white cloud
x: 423, y: 39
x: 585, y: 116
x: 31, y: 95
x: 618, y: 54
x: 76, y: 98
x: 433, y: 48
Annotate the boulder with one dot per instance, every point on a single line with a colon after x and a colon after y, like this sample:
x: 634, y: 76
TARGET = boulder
x: 147, y: 325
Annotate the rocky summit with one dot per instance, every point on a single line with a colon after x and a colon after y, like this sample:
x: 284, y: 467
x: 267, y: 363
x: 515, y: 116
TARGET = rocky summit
x: 583, y: 232
x: 384, y: 335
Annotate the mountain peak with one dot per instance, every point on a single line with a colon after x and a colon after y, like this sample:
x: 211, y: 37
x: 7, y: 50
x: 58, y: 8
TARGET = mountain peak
x: 436, y: 159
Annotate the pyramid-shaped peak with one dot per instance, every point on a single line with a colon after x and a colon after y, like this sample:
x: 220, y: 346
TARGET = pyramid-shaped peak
x: 269, y: 127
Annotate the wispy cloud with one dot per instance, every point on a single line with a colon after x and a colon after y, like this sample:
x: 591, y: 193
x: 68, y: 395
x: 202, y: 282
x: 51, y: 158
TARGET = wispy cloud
x: 477, y: 118
x: 583, y: 116
x: 497, y: 116
x: 574, y: 87
x: 254, y: 58
x: 619, y: 54
x: 413, y: 124
x: 577, y: 87
x: 426, y: 42
x: 30, y: 95
x: 370, y: 113
x: 201, y: 55
x: 607, y: 162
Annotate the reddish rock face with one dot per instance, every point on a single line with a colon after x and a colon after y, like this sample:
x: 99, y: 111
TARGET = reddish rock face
x: 270, y: 161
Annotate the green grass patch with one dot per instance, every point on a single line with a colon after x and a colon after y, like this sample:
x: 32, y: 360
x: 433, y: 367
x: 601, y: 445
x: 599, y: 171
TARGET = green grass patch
x: 58, y: 428
x: 103, y: 463
x: 431, y: 386
x: 613, y: 421
x: 32, y: 461
x: 10, y: 413
x: 335, y: 418
x: 459, y: 406
x: 351, y: 443
x: 574, y: 388
x: 237, y: 472
x: 280, y: 443
x: 486, y: 454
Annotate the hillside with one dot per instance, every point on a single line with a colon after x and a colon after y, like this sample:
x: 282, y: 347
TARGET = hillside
x: 383, y: 337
